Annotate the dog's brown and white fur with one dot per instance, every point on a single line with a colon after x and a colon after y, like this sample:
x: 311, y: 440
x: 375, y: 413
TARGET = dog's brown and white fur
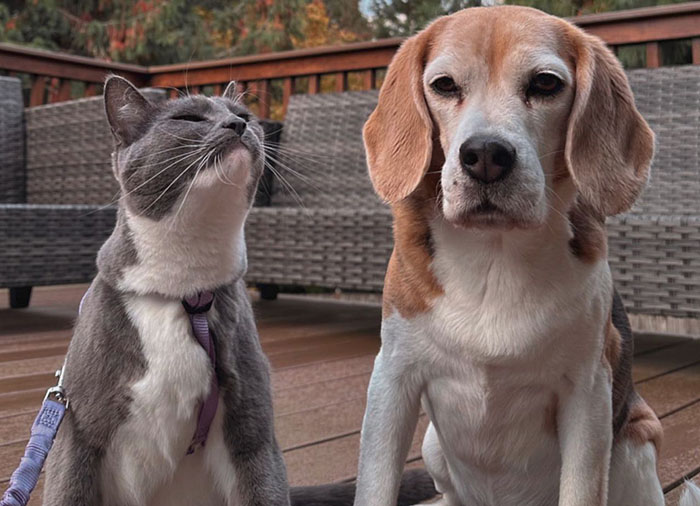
x: 499, y: 309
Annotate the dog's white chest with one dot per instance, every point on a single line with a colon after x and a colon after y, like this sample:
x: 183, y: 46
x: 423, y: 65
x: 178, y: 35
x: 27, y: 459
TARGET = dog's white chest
x: 499, y: 436
x: 503, y: 340
x: 151, y: 444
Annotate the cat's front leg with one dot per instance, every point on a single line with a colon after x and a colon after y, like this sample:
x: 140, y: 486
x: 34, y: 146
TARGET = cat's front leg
x: 261, y: 477
x: 249, y: 438
x: 71, y: 477
x: 247, y: 465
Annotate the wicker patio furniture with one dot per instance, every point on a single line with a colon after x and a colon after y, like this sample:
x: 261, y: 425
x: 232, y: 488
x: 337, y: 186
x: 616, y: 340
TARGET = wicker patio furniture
x: 56, y: 187
x: 335, y: 233
x: 52, y: 219
x: 655, y: 249
x: 331, y: 231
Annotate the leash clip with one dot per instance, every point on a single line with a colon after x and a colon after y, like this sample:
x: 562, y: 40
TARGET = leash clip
x: 57, y: 393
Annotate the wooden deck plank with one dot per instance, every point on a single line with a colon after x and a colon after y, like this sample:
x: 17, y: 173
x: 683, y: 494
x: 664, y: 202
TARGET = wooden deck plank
x: 311, y: 342
x: 674, y: 496
x: 679, y: 450
x: 20, y: 402
x: 295, y: 377
x: 26, y: 382
x: 284, y: 332
x: 322, y: 355
x: 644, y: 342
x: 656, y: 363
x: 672, y: 391
x: 11, y: 453
x: 305, y: 428
x: 16, y: 427
x: 315, y: 395
x: 348, y: 348
x: 40, y: 340
x: 30, y: 365
x: 336, y: 460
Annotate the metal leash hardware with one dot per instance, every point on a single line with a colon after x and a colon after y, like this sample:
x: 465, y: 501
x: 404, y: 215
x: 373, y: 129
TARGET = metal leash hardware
x: 58, y: 392
x: 23, y: 481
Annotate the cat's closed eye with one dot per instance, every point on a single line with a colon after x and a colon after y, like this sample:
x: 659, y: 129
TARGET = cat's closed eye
x: 244, y: 116
x: 188, y: 117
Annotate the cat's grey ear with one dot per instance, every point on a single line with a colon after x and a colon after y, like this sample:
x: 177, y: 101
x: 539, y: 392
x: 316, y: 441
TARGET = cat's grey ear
x: 128, y: 111
x: 231, y: 91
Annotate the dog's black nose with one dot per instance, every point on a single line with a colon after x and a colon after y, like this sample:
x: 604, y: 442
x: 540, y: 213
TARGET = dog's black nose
x: 235, y: 124
x: 487, y: 159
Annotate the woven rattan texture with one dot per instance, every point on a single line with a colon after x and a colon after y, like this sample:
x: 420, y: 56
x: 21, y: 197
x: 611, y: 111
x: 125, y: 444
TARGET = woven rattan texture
x: 50, y: 245
x: 654, y: 251
x: 669, y: 99
x: 56, y: 241
x: 68, y: 152
x: 345, y: 248
x: 12, y: 173
x: 322, y: 140
x: 340, y: 235
x: 655, y: 262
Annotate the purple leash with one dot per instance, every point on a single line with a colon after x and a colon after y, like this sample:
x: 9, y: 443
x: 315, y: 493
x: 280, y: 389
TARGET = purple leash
x: 23, y: 481
x: 197, y: 308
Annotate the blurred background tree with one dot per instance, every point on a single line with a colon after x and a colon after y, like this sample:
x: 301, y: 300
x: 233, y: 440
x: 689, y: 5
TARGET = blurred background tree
x: 392, y: 18
x: 151, y: 32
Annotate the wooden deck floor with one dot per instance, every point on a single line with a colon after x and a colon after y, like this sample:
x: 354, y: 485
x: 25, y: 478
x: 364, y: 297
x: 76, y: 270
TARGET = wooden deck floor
x: 321, y: 354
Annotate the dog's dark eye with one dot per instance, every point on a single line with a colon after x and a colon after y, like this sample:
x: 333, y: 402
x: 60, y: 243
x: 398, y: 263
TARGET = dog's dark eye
x: 544, y: 84
x: 445, y: 85
x: 188, y: 117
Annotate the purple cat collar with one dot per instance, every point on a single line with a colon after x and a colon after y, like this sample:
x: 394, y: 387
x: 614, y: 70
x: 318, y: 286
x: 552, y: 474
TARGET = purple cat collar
x: 197, y: 308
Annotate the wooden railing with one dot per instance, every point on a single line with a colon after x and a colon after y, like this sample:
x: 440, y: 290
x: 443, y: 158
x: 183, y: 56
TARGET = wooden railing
x: 270, y: 79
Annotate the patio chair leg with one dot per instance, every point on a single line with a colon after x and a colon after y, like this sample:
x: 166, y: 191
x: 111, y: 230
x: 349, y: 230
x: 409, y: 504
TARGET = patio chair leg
x: 19, y: 296
x: 268, y: 291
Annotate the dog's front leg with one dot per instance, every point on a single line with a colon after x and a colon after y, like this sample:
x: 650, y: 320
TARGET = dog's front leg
x: 393, y: 401
x: 585, y: 439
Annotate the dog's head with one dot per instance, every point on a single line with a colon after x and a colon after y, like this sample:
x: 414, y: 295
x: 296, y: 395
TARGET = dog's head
x: 519, y: 113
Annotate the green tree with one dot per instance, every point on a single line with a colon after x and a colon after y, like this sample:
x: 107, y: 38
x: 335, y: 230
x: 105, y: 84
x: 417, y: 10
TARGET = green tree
x: 346, y: 15
x: 168, y: 31
x: 137, y: 31
x: 391, y: 18
x: 400, y: 18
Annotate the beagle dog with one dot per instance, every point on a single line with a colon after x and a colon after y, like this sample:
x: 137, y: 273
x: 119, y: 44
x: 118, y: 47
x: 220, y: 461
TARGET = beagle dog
x: 502, y: 139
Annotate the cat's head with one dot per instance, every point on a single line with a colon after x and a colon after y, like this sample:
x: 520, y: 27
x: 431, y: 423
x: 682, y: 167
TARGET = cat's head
x: 169, y: 150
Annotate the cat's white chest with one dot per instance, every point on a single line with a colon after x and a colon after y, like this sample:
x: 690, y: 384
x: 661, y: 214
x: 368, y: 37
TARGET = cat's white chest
x: 149, y: 447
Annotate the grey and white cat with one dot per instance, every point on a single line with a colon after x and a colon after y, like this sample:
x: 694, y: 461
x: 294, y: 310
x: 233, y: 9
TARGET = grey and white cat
x: 135, y: 375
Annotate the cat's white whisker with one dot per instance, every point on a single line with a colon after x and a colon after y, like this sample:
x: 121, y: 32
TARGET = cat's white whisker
x: 304, y: 178
x: 202, y: 164
x: 282, y: 148
x: 179, y: 146
x: 123, y: 196
x: 178, y: 136
x: 172, y: 183
x: 285, y: 184
x: 178, y: 157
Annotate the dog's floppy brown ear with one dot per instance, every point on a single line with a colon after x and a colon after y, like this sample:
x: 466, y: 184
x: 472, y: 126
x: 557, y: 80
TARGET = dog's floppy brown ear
x: 398, y: 134
x: 609, y: 146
